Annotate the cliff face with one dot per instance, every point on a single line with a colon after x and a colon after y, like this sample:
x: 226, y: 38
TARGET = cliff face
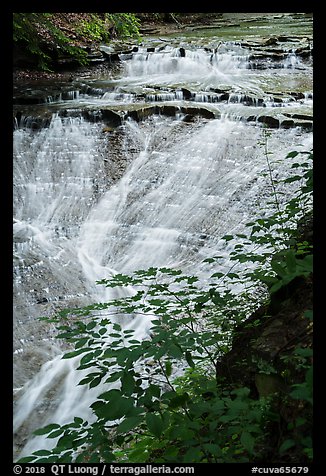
x: 268, y: 336
x: 272, y: 355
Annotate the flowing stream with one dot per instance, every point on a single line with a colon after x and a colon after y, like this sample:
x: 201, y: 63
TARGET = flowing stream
x: 160, y: 191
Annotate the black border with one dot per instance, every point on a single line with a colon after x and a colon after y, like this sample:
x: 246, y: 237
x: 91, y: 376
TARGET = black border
x: 7, y: 186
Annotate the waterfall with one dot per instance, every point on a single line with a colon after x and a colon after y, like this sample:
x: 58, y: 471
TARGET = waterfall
x: 197, y: 66
x: 182, y: 186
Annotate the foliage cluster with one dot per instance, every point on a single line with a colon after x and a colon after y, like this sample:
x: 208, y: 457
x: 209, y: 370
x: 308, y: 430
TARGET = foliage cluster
x: 160, y: 398
x: 45, y: 38
x: 105, y: 26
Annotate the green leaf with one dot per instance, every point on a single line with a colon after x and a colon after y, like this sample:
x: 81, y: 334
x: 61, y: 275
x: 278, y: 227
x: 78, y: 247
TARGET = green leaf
x: 303, y: 352
x: 294, y: 178
x: 110, y: 395
x: 70, y: 355
x: 95, y: 458
x: 87, y: 358
x: 88, y: 379
x: 302, y: 392
x: 286, y: 445
x: 42, y: 453
x: 266, y: 279
x: 307, y: 441
x: 214, y: 449
x: 306, y: 263
x: 278, y: 285
x: 217, y: 275
x: 78, y: 421
x: 291, y: 261
x: 170, y: 453
x: 154, y: 390
x: 114, y: 377
x: 291, y: 155
x: 66, y: 441
x: 127, y: 383
x: 166, y: 270
x: 114, y: 409
x: 91, y: 325
x: 168, y: 368
x: 175, y: 351
x: 56, y: 433
x: 129, y: 424
x: 81, y: 342
x: 95, y: 382
x: 155, y: 424
x: 193, y: 455
x: 26, y: 459
x: 279, y: 270
x: 179, y: 400
x: 52, y: 459
x: 209, y: 260
x: 166, y: 418
x: 300, y: 421
x: 140, y: 453
x: 189, y: 359
x: 227, y: 237
x: 247, y: 441
x: 46, y: 429
x: 157, y: 302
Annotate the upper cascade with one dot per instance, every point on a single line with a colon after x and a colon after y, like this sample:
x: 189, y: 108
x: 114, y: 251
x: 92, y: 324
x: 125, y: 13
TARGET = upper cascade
x: 170, y: 64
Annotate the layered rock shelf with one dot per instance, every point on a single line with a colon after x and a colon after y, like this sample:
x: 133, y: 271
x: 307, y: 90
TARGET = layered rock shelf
x: 113, y: 116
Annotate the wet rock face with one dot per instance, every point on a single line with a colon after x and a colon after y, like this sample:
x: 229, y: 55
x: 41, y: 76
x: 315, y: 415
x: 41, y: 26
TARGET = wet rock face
x: 110, y: 116
x: 270, y: 121
x: 266, y: 337
x: 113, y: 118
x: 35, y: 114
x: 276, y: 48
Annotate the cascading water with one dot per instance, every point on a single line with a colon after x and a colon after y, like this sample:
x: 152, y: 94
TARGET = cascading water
x: 186, y: 66
x: 185, y: 185
x: 56, y: 171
